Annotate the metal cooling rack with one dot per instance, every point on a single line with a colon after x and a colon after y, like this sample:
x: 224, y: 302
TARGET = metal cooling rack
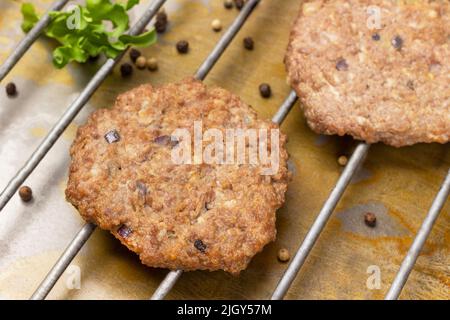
x: 169, y: 281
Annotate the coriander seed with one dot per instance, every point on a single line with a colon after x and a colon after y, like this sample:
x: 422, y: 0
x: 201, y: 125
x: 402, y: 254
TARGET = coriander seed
x: 284, y: 255
x: 141, y: 62
x: 342, y: 161
x: 152, y: 64
x: 228, y: 4
x: 216, y: 25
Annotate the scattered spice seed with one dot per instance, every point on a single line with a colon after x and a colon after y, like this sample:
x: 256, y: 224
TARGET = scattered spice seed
x: 397, y: 42
x: 166, y: 140
x: 160, y: 26
x: 126, y: 70
x: 152, y: 64
x: 161, y: 22
x: 141, y: 62
x: 124, y: 231
x: 216, y: 25
x: 342, y: 161
x: 264, y: 90
x: 284, y: 255
x: 370, y: 219
x: 410, y: 84
x: 249, y: 44
x: 162, y: 16
x: 25, y: 193
x: 112, y: 136
x: 162, y: 140
x: 228, y: 4
x: 376, y: 37
x: 11, y: 89
x: 200, y: 246
x: 341, y: 65
x: 182, y: 46
x: 134, y: 54
x: 239, y: 4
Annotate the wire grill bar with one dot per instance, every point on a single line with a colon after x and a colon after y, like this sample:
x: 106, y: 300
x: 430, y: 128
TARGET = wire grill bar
x: 419, y: 241
x: 86, y: 231
x: 169, y: 281
x: 29, y: 39
x: 285, y: 107
x: 354, y: 163
x: 166, y: 285
x: 72, y: 111
x: 171, y: 278
x: 63, y: 262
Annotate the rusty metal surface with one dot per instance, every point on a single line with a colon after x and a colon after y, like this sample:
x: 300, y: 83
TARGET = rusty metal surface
x: 398, y: 185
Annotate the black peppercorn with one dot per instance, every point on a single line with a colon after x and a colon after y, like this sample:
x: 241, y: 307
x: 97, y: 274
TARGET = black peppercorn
x: 126, y: 70
x: 183, y: 46
x: 134, y: 54
x: 239, y: 4
x: 249, y: 43
x: 11, y: 89
x: 161, y: 16
x: 25, y: 193
x: 160, y: 26
x: 370, y: 219
x: 264, y: 90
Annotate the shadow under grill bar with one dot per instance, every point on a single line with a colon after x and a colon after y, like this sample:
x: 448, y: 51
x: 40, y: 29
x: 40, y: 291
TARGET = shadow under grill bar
x: 63, y: 262
x: 313, y: 234
x: 83, y: 235
x: 23, y: 46
x: 419, y: 241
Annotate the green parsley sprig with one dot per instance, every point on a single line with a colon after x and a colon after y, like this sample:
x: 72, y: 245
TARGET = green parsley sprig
x: 82, y: 32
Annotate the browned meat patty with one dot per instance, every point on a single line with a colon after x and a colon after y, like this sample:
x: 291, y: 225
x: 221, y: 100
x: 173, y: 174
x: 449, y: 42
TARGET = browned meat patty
x: 177, y: 216
x: 389, y: 84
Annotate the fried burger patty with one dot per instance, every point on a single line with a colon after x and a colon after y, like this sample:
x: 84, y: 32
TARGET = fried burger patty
x: 378, y: 70
x: 177, y: 216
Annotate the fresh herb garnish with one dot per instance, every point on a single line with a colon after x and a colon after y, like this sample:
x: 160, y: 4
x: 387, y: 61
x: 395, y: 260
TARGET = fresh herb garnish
x: 83, y: 33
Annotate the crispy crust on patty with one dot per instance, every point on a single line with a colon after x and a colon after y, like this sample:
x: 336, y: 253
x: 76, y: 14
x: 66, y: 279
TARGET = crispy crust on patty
x: 188, y: 216
x: 390, y: 84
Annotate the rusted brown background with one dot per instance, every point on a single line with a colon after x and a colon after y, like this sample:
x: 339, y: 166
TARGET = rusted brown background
x: 396, y: 184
